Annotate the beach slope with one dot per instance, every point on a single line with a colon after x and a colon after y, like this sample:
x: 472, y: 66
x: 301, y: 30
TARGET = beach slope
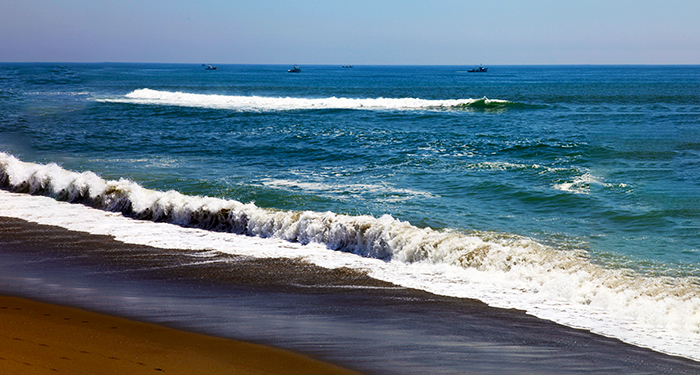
x: 40, y: 338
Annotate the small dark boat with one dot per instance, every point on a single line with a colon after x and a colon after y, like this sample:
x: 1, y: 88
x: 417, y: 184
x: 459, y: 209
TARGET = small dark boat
x: 295, y: 69
x: 478, y: 69
x: 347, y: 66
x: 210, y: 67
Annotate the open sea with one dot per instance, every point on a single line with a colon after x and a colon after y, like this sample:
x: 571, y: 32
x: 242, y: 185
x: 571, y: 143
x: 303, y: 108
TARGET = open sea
x: 570, y: 192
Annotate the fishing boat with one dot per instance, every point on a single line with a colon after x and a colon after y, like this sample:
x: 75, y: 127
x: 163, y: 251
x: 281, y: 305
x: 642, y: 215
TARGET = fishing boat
x: 295, y: 69
x: 478, y: 69
x: 211, y: 67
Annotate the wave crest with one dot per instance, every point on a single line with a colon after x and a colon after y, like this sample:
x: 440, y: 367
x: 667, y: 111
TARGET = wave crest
x: 383, y: 238
x: 260, y: 103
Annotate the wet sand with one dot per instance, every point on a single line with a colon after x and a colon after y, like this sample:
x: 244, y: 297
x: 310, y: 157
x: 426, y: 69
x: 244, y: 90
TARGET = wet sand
x: 340, y: 316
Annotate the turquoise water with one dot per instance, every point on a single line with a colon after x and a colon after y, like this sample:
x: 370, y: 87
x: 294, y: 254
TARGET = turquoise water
x: 604, y: 159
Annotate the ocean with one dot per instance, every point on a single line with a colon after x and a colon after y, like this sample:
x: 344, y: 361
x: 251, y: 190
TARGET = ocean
x: 570, y: 192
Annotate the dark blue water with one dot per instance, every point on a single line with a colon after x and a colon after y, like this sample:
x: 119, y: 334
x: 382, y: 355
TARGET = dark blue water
x: 599, y: 158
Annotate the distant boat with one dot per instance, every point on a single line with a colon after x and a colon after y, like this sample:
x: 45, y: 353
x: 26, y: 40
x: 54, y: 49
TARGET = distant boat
x: 347, y: 66
x: 210, y: 67
x: 478, y: 69
x: 295, y: 69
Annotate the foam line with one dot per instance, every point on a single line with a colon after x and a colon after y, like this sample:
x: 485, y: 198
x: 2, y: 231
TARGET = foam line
x: 260, y: 103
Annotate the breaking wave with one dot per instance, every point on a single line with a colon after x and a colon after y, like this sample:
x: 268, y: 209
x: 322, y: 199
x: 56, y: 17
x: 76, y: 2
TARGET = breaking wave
x: 500, y: 269
x: 260, y: 103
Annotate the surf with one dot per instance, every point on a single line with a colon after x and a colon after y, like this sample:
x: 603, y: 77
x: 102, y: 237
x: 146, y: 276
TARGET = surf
x: 261, y: 103
x: 501, y: 269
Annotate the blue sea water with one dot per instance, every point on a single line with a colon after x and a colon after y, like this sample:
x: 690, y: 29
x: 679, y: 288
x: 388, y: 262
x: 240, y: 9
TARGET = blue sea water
x: 598, y: 161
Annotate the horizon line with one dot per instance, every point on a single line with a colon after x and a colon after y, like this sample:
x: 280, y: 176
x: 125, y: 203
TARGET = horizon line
x: 341, y: 64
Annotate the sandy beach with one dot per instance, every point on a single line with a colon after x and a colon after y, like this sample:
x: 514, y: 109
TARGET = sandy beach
x: 337, y: 316
x: 41, y: 338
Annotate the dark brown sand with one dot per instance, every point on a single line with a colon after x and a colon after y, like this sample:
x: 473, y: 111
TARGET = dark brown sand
x: 339, y: 316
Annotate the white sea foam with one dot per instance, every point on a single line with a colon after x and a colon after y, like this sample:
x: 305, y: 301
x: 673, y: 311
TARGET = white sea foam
x: 260, y: 103
x: 582, y: 184
x: 500, y: 269
x: 505, y: 166
x: 387, y: 193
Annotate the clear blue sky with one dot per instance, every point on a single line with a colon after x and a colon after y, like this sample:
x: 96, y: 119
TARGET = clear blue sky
x: 411, y: 32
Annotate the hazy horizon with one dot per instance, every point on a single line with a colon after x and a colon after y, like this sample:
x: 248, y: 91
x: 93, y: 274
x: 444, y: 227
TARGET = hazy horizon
x: 219, y: 64
x: 361, y: 32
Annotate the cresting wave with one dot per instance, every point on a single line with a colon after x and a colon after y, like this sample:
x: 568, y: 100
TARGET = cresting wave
x: 259, y: 103
x: 500, y: 269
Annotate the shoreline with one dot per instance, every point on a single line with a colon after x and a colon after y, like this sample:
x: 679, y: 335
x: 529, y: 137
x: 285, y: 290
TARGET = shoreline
x: 37, y: 337
x: 338, y: 316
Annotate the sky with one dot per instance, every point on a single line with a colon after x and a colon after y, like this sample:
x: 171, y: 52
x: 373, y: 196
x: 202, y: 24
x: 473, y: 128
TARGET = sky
x: 369, y: 32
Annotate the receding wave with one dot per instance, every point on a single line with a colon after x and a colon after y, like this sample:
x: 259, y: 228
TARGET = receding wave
x: 261, y: 103
x: 501, y: 269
